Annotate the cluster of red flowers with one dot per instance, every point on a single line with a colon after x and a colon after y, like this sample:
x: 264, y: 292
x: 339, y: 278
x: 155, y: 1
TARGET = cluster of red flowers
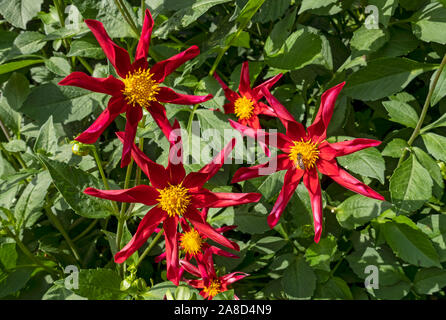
x: 175, y: 197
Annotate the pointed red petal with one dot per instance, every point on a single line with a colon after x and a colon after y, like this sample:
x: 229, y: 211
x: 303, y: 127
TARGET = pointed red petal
x: 347, y: 147
x: 110, y: 85
x: 282, y: 113
x: 231, y: 95
x: 281, y: 162
x: 318, y: 130
x: 139, y: 194
x: 117, y: 56
x: 311, y: 181
x: 245, y: 83
x: 145, y: 228
x: 134, y: 115
x: 290, y: 182
x: 114, y: 108
x: 163, y: 68
x: 170, y: 234
x: 346, y: 180
x: 142, y: 49
x: 158, y: 113
x: 257, y: 91
x: 167, y: 95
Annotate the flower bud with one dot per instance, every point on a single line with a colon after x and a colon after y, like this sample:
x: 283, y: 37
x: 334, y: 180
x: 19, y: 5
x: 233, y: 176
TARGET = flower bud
x: 80, y: 149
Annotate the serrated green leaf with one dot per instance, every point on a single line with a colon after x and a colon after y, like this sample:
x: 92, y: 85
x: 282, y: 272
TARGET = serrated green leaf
x: 46, y: 139
x: 402, y: 113
x: 19, y: 12
x: 299, y: 280
x: 410, y: 186
x: 435, y: 145
x: 367, y: 162
x: 434, y: 226
x: 434, y: 170
x: 99, y: 284
x: 429, y: 281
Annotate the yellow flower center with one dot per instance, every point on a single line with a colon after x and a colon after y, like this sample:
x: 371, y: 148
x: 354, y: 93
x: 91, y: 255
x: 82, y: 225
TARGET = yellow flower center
x: 174, y: 200
x: 191, y: 242
x: 140, y: 88
x: 304, y: 154
x: 213, y: 289
x: 243, y: 108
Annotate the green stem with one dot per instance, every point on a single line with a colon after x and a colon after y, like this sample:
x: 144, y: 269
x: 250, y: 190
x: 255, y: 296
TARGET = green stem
x: 55, y: 221
x: 151, y: 245
x: 85, y: 64
x: 417, y: 129
x: 83, y: 233
x: 101, y: 171
x: 5, y: 131
x: 128, y: 19
x: 143, y: 8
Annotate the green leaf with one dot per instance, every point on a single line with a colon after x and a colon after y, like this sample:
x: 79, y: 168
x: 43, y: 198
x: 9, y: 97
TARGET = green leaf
x: 29, y: 206
x: 357, y: 210
x: 435, y: 145
x: 395, y: 148
x: 46, y: 140
x: 434, y: 170
x: 66, y: 104
x: 271, y: 10
x: 434, y: 226
x: 409, y: 242
x: 440, y: 122
x: 58, y: 65
x: 248, y: 12
x: 402, y: 113
x: 99, y: 284
x: 315, y: 4
x: 16, y: 65
x: 401, y: 42
x: 58, y: 292
x: 429, y: 281
x: 384, y: 77
x: 280, y: 33
x: 440, y: 89
x: 9, y: 116
x: 8, y: 255
x: 16, y: 90
x: 367, y: 162
x: 15, y: 146
x: 71, y: 182
x: 299, y: 280
x: 185, y: 16
x: 386, y: 9
x: 429, y: 25
x: 15, y: 281
x: 19, y: 12
x: 29, y: 42
x: 410, y: 186
x: 87, y: 49
x: 319, y: 255
x: 365, y: 41
x: 301, y: 48
x: 334, y: 289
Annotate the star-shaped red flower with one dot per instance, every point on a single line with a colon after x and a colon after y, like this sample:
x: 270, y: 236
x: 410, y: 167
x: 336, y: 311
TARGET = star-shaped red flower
x: 174, y: 195
x: 209, y: 283
x: 304, y: 154
x: 138, y: 86
x: 246, y: 104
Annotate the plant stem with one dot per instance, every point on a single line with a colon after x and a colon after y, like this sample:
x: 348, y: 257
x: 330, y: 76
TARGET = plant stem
x: 417, y: 129
x: 101, y: 171
x: 5, y: 131
x: 55, y: 221
x: 85, y: 64
x: 151, y: 245
x: 83, y: 233
x: 126, y: 17
x: 26, y: 251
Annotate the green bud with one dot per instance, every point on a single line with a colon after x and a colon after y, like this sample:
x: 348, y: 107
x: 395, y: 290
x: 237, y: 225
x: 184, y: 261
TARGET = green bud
x: 80, y: 149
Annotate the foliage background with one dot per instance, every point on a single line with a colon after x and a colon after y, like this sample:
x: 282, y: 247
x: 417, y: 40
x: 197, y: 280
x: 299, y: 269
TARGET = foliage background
x: 47, y: 223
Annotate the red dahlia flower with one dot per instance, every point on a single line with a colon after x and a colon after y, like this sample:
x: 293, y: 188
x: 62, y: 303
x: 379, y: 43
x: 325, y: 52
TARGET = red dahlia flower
x: 246, y: 105
x: 174, y: 195
x: 138, y: 87
x: 209, y: 282
x: 194, y: 244
x: 304, y: 154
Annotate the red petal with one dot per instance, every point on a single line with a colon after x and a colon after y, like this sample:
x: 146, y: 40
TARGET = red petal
x: 257, y: 91
x: 318, y: 130
x: 203, y: 227
x: 311, y: 181
x: 145, y: 228
x: 163, y: 68
x: 205, y: 198
x: 346, y: 180
x: 281, y: 162
x: 277, y: 140
x: 158, y: 113
x: 223, y: 253
x: 233, y: 277
x: 347, y: 147
x: 290, y: 182
x: 155, y: 172
x: 114, y: 108
x: 170, y: 235
x: 118, y: 56
x: 167, y: 95
x: 160, y: 258
x: 189, y: 267
x: 110, y: 85
x: 282, y: 113
x: 134, y: 115
x: 175, y: 168
x: 142, y: 49
x: 139, y: 194
x: 245, y: 83
x: 230, y: 94
x: 229, y: 108
x: 326, y: 152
